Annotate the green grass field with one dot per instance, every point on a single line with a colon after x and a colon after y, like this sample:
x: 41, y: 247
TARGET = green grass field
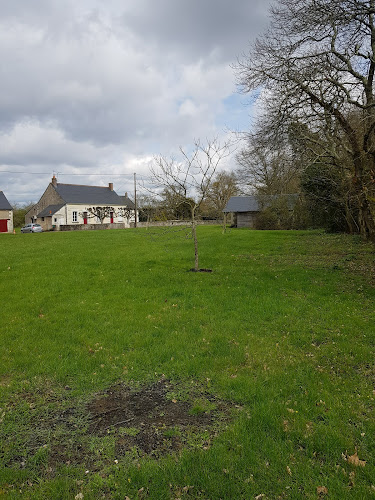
x: 281, y: 334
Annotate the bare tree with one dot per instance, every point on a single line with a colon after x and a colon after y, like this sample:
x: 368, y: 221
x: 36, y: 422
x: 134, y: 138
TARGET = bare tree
x: 189, y: 178
x: 267, y: 166
x: 126, y: 213
x: 99, y: 212
x: 148, y: 207
x: 316, y: 66
x: 222, y: 187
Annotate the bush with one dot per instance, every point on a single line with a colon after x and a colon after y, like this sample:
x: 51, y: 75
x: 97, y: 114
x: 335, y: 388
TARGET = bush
x: 281, y: 214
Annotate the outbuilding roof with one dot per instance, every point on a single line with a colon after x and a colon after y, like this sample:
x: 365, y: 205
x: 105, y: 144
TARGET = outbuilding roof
x: 242, y: 204
x: 88, y: 195
x: 256, y: 203
x: 4, y: 203
x: 50, y: 210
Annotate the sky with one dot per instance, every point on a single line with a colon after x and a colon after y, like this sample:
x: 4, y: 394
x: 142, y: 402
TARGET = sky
x: 91, y: 91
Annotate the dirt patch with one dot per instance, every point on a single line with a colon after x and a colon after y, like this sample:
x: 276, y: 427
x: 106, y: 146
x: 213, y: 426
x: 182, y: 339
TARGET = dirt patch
x: 123, y: 421
x: 151, y: 420
x: 202, y: 270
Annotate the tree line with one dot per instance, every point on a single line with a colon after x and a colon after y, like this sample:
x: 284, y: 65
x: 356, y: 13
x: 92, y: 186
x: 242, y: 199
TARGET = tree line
x: 314, y: 68
x: 313, y: 71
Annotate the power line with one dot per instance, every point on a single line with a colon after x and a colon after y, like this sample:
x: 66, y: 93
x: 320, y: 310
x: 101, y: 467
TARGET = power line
x: 31, y: 173
x: 59, y: 173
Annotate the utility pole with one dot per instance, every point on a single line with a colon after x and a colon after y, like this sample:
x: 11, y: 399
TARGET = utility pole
x: 135, y: 200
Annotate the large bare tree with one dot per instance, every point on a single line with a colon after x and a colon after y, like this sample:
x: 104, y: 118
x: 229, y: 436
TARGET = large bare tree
x: 189, y: 177
x: 267, y: 164
x: 315, y: 66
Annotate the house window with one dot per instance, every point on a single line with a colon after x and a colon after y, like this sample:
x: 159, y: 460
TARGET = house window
x: 55, y: 219
x: 75, y: 216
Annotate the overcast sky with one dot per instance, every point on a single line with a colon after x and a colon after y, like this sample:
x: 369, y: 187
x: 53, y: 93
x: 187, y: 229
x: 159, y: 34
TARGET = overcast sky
x: 102, y: 86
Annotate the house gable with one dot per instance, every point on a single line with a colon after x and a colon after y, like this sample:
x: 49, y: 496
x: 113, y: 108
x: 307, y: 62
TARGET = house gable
x: 4, y: 203
x: 6, y: 215
x: 49, y: 197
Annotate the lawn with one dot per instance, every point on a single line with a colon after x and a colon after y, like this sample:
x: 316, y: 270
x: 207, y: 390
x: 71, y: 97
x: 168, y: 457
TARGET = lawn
x: 125, y: 375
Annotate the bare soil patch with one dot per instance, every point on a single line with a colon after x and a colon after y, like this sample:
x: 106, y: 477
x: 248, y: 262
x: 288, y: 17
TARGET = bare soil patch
x: 152, y: 420
x: 202, y: 270
x: 143, y: 420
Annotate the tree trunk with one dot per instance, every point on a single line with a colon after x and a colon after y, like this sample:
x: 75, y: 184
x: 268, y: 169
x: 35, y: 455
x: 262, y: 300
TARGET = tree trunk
x: 366, y: 220
x: 365, y: 216
x: 194, y: 233
x: 225, y: 222
x: 349, y: 218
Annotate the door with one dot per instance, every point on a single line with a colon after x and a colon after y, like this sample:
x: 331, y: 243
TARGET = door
x: 3, y: 225
x: 111, y: 216
x: 85, y: 217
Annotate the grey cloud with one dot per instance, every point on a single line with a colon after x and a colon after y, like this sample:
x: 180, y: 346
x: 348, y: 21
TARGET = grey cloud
x: 96, y: 79
x: 196, y: 27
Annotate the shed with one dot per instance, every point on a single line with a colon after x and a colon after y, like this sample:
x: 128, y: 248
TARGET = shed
x: 245, y: 209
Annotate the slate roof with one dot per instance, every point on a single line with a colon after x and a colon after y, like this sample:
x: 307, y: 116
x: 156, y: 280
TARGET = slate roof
x: 88, y: 195
x: 242, y: 204
x: 50, y: 210
x: 4, y: 203
x: 127, y: 202
x: 255, y: 203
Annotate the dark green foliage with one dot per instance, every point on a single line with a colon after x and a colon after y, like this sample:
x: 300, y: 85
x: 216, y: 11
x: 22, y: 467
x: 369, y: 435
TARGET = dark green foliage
x: 284, y: 213
x: 329, y: 198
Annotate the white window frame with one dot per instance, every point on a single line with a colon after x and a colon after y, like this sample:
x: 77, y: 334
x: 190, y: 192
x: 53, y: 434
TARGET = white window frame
x: 74, y: 216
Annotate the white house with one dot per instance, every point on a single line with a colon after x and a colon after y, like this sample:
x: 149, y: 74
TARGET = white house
x: 75, y: 205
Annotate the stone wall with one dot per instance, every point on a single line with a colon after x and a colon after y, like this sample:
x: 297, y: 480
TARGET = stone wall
x: 91, y: 227
x: 169, y: 223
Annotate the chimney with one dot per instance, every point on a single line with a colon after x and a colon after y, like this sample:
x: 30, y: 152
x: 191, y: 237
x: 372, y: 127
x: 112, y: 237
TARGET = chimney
x: 110, y: 185
x: 54, y: 181
x: 126, y: 194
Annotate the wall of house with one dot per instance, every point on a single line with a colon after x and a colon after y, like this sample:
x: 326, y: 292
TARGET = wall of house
x: 52, y: 221
x: 65, y: 217
x: 45, y: 222
x: 49, y: 197
x: 7, y: 215
x: 80, y: 209
x: 246, y: 219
